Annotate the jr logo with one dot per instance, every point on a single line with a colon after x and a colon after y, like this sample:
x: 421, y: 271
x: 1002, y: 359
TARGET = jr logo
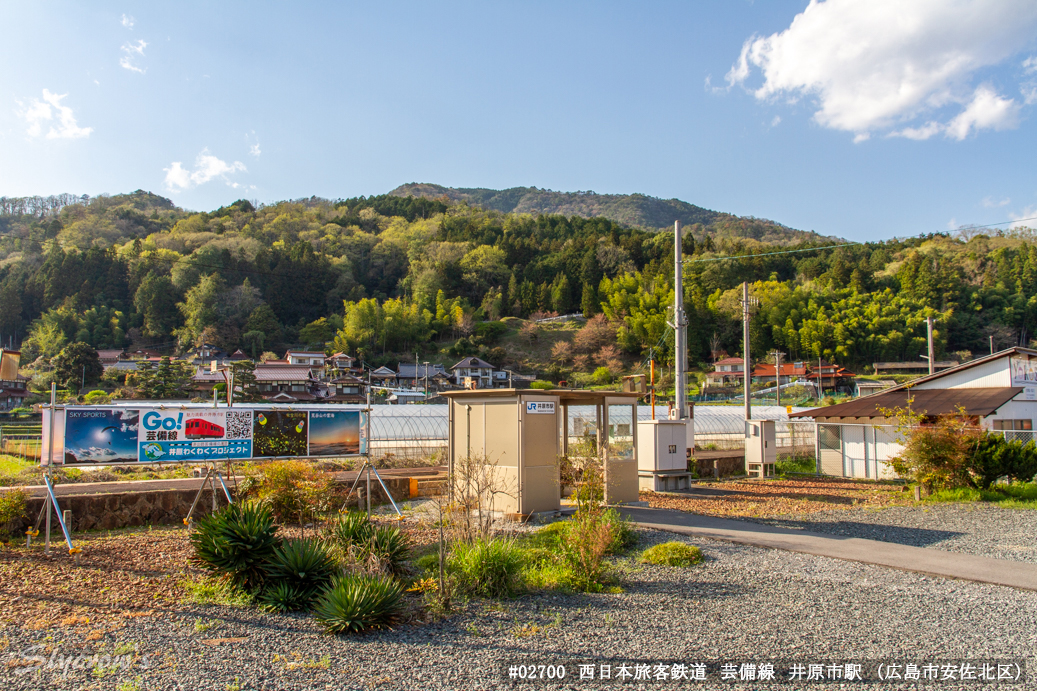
x: 153, y: 421
x: 540, y: 407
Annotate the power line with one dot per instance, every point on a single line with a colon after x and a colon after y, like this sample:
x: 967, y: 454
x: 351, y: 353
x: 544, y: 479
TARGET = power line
x: 831, y: 247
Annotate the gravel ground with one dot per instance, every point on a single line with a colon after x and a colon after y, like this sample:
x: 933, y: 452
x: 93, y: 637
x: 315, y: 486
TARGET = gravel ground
x: 742, y: 604
x: 973, y: 528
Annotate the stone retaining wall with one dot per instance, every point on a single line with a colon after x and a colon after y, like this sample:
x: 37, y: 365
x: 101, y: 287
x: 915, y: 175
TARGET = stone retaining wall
x: 728, y: 465
x: 169, y: 507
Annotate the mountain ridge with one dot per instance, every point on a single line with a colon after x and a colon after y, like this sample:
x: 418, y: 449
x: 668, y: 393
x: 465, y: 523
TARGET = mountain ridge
x: 634, y: 210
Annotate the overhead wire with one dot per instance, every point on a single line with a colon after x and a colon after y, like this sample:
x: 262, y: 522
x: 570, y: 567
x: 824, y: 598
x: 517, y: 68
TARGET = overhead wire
x: 831, y: 247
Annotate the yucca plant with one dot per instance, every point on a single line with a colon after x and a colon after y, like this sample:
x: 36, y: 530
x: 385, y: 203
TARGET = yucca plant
x: 389, y: 545
x: 285, y: 597
x: 307, y: 564
x: 352, y: 529
x: 238, y: 541
x: 357, y: 602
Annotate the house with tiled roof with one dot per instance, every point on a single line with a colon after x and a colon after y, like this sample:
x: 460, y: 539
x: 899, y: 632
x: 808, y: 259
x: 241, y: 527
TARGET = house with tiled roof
x: 475, y: 370
x: 730, y: 370
x: 279, y: 383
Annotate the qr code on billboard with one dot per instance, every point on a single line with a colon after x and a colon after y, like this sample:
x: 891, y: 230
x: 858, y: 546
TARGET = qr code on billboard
x: 239, y: 424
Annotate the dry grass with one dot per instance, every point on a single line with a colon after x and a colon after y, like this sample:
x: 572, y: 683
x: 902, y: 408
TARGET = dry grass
x: 137, y: 572
x: 774, y: 498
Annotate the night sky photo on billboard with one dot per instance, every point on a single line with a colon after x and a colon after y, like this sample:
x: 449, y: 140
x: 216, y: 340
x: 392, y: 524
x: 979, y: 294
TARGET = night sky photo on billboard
x: 279, y: 433
x: 101, y: 436
x: 334, y: 433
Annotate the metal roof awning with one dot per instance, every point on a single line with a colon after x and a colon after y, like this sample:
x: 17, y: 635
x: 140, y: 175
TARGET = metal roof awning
x: 931, y: 402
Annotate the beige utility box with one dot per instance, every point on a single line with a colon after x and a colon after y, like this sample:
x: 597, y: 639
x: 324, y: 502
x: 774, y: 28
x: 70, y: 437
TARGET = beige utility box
x: 662, y: 454
x: 761, y: 449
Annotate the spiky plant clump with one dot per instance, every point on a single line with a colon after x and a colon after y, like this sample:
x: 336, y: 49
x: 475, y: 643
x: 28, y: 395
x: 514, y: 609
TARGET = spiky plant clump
x: 352, y: 529
x: 358, y: 602
x: 237, y: 541
x: 285, y: 597
x: 389, y: 545
x: 306, y: 564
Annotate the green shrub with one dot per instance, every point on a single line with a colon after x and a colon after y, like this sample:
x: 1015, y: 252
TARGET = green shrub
x: 293, y: 490
x: 542, y: 385
x: 389, y: 545
x: 237, y: 541
x: 283, y: 596
x: 427, y: 563
x: 12, y: 509
x: 490, y: 568
x: 994, y: 457
x: 672, y: 554
x: 352, y: 529
x: 305, y: 564
x: 590, y: 536
x: 356, y: 602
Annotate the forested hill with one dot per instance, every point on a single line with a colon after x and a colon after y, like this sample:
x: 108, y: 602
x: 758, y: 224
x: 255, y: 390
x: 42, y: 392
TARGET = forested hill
x: 388, y: 275
x: 634, y: 210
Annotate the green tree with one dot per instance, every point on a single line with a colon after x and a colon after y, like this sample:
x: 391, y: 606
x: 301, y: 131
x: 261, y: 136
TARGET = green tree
x: 155, y: 301
x: 76, y: 366
x: 317, y: 333
x: 264, y: 320
x: 245, y: 388
x: 201, y: 306
x: 561, y: 294
x: 168, y: 379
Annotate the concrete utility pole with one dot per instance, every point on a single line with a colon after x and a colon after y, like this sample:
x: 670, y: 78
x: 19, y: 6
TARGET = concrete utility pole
x: 747, y: 304
x: 680, y: 328
x: 991, y: 345
x: 929, y: 338
x: 777, y: 373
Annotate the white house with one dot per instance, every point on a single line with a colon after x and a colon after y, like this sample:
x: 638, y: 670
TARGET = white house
x: 305, y: 357
x: 480, y: 372
x: 856, y: 439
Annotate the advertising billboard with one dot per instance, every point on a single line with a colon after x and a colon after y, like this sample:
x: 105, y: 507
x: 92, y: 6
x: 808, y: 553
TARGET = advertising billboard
x: 110, y: 435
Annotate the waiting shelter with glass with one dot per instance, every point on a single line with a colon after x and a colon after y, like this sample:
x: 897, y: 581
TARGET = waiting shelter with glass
x: 520, y: 435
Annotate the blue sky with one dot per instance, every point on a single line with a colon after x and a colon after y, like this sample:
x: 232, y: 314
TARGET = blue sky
x: 858, y: 118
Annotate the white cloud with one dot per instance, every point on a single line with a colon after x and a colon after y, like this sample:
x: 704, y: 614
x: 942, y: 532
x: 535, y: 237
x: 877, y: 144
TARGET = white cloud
x: 37, y: 113
x: 127, y: 22
x: 133, y: 51
x: 206, y: 167
x: 874, y: 65
x: 776, y: 121
x: 991, y: 203
x: 952, y: 224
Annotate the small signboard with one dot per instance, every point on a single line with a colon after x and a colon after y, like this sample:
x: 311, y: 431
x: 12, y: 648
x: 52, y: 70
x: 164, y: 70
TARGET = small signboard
x: 540, y: 407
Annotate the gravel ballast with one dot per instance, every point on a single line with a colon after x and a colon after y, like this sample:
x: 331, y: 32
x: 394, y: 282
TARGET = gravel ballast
x: 741, y: 604
x: 972, y: 528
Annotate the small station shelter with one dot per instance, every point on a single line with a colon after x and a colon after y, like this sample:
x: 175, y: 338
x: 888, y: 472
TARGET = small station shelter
x: 522, y: 433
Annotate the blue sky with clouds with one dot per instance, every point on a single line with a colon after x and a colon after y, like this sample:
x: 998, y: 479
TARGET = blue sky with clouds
x: 857, y: 118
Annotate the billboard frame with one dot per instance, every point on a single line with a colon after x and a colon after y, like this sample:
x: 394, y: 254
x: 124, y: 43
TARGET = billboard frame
x: 55, y: 428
